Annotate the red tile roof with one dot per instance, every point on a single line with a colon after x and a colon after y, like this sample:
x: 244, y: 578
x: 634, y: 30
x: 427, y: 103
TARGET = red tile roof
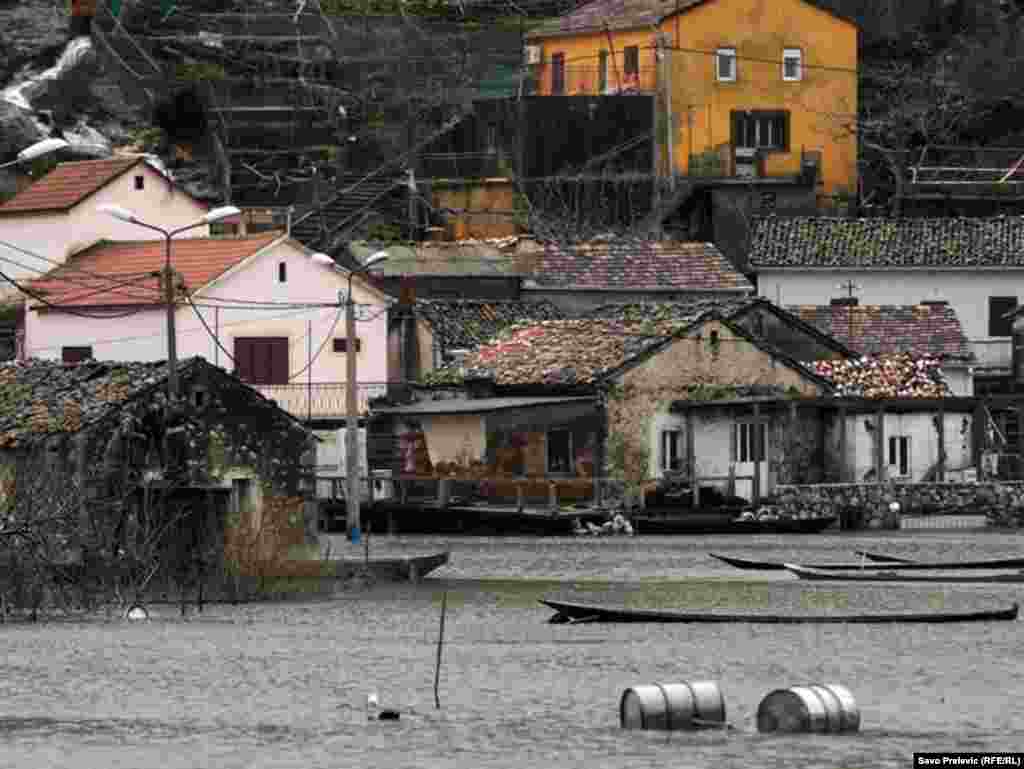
x: 68, y: 184
x: 919, y: 329
x: 664, y: 265
x: 122, y: 272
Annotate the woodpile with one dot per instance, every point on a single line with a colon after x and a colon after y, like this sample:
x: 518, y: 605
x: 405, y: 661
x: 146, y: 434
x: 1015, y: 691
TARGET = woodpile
x: 898, y: 375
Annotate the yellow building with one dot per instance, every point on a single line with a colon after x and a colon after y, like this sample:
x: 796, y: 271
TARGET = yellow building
x: 749, y: 87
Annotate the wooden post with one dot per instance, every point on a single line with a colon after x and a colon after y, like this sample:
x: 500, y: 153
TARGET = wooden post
x: 941, y: 475
x: 519, y: 496
x: 403, y: 491
x: 691, y: 459
x: 978, y: 438
x: 842, y: 444
x: 444, y: 492
x: 880, y: 445
x: 552, y: 495
x: 758, y: 453
x: 1020, y: 438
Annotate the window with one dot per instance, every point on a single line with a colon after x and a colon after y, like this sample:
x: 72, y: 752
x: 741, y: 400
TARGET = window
x: 899, y: 456
x: 998, y: 306
x: 671, y: 456
x: 341, y: 344
x: 792, y: 64
x: 602, y: 71
x: 725, y: 65
x: 558, y: 73
x: 746, y: 451
x: 760, y: 130
x: 262, y: 360
x: 72, y: 355
x: 282, y: 272
x: 559, y: 451
x: 631, y: 61
x: 140, y: 182
x: 199, y: 397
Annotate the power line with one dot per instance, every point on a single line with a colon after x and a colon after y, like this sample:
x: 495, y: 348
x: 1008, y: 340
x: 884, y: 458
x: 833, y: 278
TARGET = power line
x: 42, y: 300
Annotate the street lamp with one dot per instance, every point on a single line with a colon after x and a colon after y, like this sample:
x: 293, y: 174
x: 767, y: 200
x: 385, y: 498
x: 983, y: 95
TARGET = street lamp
x: 215, y: 215
x: 353, y: 493
x: 33, y: 151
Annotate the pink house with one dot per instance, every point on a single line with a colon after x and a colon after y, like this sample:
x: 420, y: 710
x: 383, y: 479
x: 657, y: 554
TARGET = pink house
x: 258, y: 306
x: 57, y: 215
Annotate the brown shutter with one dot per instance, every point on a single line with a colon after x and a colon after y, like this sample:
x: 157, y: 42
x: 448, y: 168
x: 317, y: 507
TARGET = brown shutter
x: 262, y: 360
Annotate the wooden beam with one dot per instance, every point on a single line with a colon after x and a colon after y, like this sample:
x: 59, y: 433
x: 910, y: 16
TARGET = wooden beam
x: 941, y: 477
x: 842, y: 443
x: 758, y: 453
x: 691, y: 459
x: 880, y: 445
x: 978, y: 438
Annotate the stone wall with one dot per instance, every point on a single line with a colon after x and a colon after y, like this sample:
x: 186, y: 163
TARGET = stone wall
x: 866, y: 506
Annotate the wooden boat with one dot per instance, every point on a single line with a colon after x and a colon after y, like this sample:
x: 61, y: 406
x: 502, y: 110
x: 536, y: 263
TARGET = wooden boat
x: 400, y: 569
x: 745, y: 563
x: 906, y: 563
x: 575, y: 613
x: 886, y: 574
x: 697, y: 522
x: 871, y: 566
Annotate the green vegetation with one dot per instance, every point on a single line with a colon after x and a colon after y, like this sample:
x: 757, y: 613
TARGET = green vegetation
x: 148, y: 139
x: 199, y: 70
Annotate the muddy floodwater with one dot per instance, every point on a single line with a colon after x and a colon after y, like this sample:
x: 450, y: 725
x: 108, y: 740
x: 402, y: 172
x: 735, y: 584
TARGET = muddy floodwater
x: 285, y: 684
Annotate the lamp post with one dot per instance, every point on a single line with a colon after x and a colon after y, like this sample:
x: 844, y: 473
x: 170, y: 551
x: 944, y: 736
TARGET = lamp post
x: 33, y: 151
x: 125, y: 215
x: 353, y: 493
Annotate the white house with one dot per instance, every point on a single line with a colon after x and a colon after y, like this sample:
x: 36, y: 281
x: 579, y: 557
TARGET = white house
x: 976, y: 265
x: 56, y: 216
x: 260, y: 306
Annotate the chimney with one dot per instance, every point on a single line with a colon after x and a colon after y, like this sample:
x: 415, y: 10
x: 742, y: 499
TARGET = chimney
x: 844, y: 301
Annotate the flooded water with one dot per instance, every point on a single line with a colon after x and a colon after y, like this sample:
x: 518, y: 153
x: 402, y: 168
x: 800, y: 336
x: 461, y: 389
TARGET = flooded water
x: 285, y: 685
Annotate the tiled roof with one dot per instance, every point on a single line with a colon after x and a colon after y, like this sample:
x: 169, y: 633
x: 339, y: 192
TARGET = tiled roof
x: 553, y: 352
x: 67, y: 184
x: 494, y: 257
x: 41, y: 397
x: 468, y: 323
x: 91, y: 277
x: 669, y: 317
x: 898, y: 375
x: 636, y: 264
x: 881, y: 243
x: 918, y: 329
x: 625, y: 14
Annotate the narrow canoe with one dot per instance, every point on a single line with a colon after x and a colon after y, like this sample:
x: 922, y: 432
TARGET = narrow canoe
x: 886, y: 574
x: 906, y: 563
x: 576, y: 613
x: 745, y: 563
x: 871, y: 566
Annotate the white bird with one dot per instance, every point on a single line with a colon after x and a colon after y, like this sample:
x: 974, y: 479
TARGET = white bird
x: 374, y: 711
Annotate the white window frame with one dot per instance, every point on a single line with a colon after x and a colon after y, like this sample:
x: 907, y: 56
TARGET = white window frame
x: 669, y: 447
x: 720, y: 55
x: 898, y: 457
x: 745, y: 441
x: 793, y: 54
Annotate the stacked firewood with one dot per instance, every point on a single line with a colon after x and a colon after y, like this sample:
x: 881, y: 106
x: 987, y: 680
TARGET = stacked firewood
x: 894, y: 375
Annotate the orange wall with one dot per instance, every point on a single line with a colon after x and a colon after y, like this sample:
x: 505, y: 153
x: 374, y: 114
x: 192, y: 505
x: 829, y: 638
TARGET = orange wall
x: 821, y: 105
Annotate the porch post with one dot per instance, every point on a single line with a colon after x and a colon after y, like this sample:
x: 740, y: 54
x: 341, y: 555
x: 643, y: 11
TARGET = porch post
x: 978, y: 438
x: 842, y: 444
x: 691, y: 459
x: 880, y: 445
x: 755, y: 496
x: 941, y: 474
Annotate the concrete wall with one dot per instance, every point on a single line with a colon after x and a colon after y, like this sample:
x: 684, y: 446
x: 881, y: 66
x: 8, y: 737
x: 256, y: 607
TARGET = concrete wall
x: 143, y: 335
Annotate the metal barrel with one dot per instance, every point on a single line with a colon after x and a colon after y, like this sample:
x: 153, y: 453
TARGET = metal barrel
x: 683, y: 706
x: 823, y: 708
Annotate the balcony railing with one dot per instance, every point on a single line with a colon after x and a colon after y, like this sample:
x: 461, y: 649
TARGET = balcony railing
x: 323, y: 400
x: 579, y: 80
x: 992, y: 353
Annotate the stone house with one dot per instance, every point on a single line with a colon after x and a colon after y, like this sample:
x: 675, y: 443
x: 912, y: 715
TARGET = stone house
x: 224, y: 465
x: 974, y: 265
x: 741, y: 395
